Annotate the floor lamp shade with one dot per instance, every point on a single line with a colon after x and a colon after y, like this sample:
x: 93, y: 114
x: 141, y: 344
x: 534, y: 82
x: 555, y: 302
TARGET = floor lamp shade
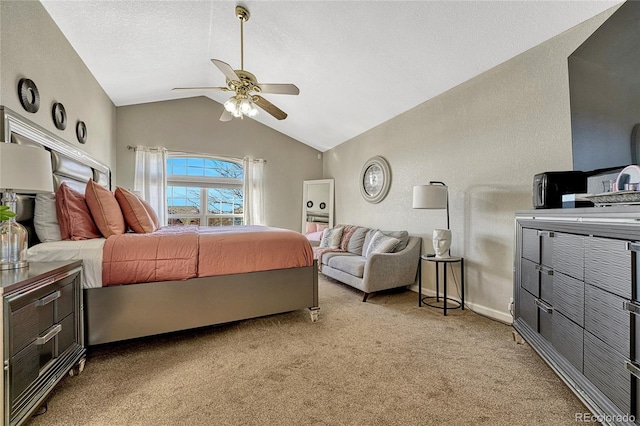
x: 26, y: 170
x: 435, y: 196
x: 430, y: 197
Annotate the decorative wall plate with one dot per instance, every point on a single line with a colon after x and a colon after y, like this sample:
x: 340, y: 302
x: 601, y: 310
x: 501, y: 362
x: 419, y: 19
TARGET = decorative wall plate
x: 59, y: 116
x: 81, y: 132
x: 322, y: 206
x: 309, y: 204
x: 28, y: 94
x: 375, y: 179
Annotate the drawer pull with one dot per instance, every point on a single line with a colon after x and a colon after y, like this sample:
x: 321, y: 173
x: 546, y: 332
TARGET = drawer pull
x: 53, y: 331
x: 549, y: 234
x: 49, y: 298
x: 633, y: 368
x: 633, y: 246
x: 544, y: 270
x: 631, y: 307
x: 540, y: 304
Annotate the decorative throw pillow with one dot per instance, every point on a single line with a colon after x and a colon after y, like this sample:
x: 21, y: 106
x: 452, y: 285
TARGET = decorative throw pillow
x: 45, y: 219
x: 310, y: 227
x: 104, y: 209
x: 381, y: 243
x: 152, y: 213
x: 135, y: 215
x: 74, y: 216
x: 331, y: 238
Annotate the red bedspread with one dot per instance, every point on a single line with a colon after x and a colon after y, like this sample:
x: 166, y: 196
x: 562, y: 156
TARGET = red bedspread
x: 183, y: 252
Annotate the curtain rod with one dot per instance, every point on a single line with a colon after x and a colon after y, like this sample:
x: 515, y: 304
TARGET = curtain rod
x: 255, y: 160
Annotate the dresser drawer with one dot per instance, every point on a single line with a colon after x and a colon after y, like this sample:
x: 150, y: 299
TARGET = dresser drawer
x: 527, y: 309
x: 606, y: 318
x: 567, y: 338
x: 608, y: 265
x: 568, y: 297
x: 569, y: 255
x: 531, y: 245
x: 529, y: 279
x: 606, y: 369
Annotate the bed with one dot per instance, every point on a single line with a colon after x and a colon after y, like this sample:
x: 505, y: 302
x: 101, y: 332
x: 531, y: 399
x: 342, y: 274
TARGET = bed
x: 119, y: 312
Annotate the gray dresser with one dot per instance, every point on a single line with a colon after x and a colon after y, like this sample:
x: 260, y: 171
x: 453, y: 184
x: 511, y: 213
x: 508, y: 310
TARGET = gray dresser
x: 576, y: 293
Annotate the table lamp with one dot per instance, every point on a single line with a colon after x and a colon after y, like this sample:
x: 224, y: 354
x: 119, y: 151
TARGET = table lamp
x: 24, y: 169
x: 435, y: 195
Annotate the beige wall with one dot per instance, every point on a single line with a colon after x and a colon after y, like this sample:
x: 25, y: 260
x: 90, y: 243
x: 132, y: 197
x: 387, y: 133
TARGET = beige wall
x: 32, y: 46
x: 192, y: 125
x: 485, y: 139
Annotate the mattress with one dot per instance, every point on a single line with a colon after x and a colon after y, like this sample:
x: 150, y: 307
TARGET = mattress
x: 90, y: 251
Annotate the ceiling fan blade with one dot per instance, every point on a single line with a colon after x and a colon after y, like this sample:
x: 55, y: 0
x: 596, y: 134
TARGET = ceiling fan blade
x: 269, y: 107
x: 226, y: 69
x: 280, y: 89
x: 190, y: 89
x: 226, y: 116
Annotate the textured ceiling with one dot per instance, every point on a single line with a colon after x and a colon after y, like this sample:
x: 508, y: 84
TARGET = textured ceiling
x: 357, y: 63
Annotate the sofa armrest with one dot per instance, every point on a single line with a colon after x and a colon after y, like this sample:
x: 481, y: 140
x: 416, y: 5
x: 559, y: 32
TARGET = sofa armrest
x: 389, y: 270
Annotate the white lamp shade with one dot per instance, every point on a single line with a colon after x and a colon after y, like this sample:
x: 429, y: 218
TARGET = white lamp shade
x: 430, y: 197
x: 25, y: 169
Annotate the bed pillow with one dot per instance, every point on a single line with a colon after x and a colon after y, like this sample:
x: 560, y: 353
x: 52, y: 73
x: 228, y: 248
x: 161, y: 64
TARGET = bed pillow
x: 152, y: 213
x: 134, y: 212
x: 74, y: 216
x: 45, y: 218
x: 381, y: 243
x: 331, y: 238
x: 104, y: 209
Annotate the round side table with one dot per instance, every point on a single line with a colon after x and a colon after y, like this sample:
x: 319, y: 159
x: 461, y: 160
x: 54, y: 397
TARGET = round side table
x: 445, y: 300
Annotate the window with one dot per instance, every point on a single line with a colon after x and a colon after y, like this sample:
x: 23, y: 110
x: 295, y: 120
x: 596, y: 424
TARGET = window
x: 204, y: 191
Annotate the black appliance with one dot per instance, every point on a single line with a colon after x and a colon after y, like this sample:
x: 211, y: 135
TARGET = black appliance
x: 548, y: 187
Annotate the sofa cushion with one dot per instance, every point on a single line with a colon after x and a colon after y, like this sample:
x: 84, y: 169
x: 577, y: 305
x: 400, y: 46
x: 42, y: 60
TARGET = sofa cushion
x: 381, y: 243
x: 403, y: 236
x: 356, y: 242
x: 351, y: 264
x: 328, y: 255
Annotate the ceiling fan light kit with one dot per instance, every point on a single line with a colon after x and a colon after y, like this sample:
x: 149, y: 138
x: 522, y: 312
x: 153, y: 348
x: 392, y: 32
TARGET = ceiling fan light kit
x: 246, y: 100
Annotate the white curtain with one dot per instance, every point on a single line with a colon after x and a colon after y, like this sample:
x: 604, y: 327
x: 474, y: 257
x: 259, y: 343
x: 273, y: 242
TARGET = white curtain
x: 150, y: 179
x: 253, y: 191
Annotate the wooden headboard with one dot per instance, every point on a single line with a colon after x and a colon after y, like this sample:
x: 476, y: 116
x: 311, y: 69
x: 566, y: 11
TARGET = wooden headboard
x: 69, y: 164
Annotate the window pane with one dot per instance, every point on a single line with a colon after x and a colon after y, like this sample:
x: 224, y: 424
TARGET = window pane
x: 179, y: 221
x: 224, y: 201
x: 183, y: 200
x: 224, y: 221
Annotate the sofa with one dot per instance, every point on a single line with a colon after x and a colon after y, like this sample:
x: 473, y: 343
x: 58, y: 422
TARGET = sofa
x: 368, y: 259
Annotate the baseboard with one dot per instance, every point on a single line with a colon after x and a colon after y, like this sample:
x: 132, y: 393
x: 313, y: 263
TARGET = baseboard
x: 504, y: 317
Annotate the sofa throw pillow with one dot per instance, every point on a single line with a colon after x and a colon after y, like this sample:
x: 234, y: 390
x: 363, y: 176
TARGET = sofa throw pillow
x: 45, y: 219
x: 74, y: 216
x: 104, y: 209
x: 381, y: 243
x: 135, y: 215
x: 331, y: 238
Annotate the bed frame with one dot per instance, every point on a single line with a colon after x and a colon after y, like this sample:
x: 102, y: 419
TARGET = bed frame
x: 135, y: 310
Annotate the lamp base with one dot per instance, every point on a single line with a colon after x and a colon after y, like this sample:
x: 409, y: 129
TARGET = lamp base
x: 13, y: 265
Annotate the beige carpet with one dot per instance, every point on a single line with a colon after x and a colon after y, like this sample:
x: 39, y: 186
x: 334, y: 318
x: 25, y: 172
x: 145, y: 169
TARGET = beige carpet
x: 384, y: 362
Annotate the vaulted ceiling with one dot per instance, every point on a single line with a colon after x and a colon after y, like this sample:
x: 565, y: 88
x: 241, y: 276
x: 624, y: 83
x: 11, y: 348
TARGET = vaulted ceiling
x: 357, y: 63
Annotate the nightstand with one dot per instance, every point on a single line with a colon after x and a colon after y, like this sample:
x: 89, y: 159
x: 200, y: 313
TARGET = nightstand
x: 444, y: 261
x: 43, y: 333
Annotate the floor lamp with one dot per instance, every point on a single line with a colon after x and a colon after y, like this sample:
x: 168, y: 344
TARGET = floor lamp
x: 435, y: 195
x: 25, y: 170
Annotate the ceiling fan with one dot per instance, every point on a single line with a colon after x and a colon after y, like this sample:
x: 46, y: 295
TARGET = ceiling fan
x: 245, y: 85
